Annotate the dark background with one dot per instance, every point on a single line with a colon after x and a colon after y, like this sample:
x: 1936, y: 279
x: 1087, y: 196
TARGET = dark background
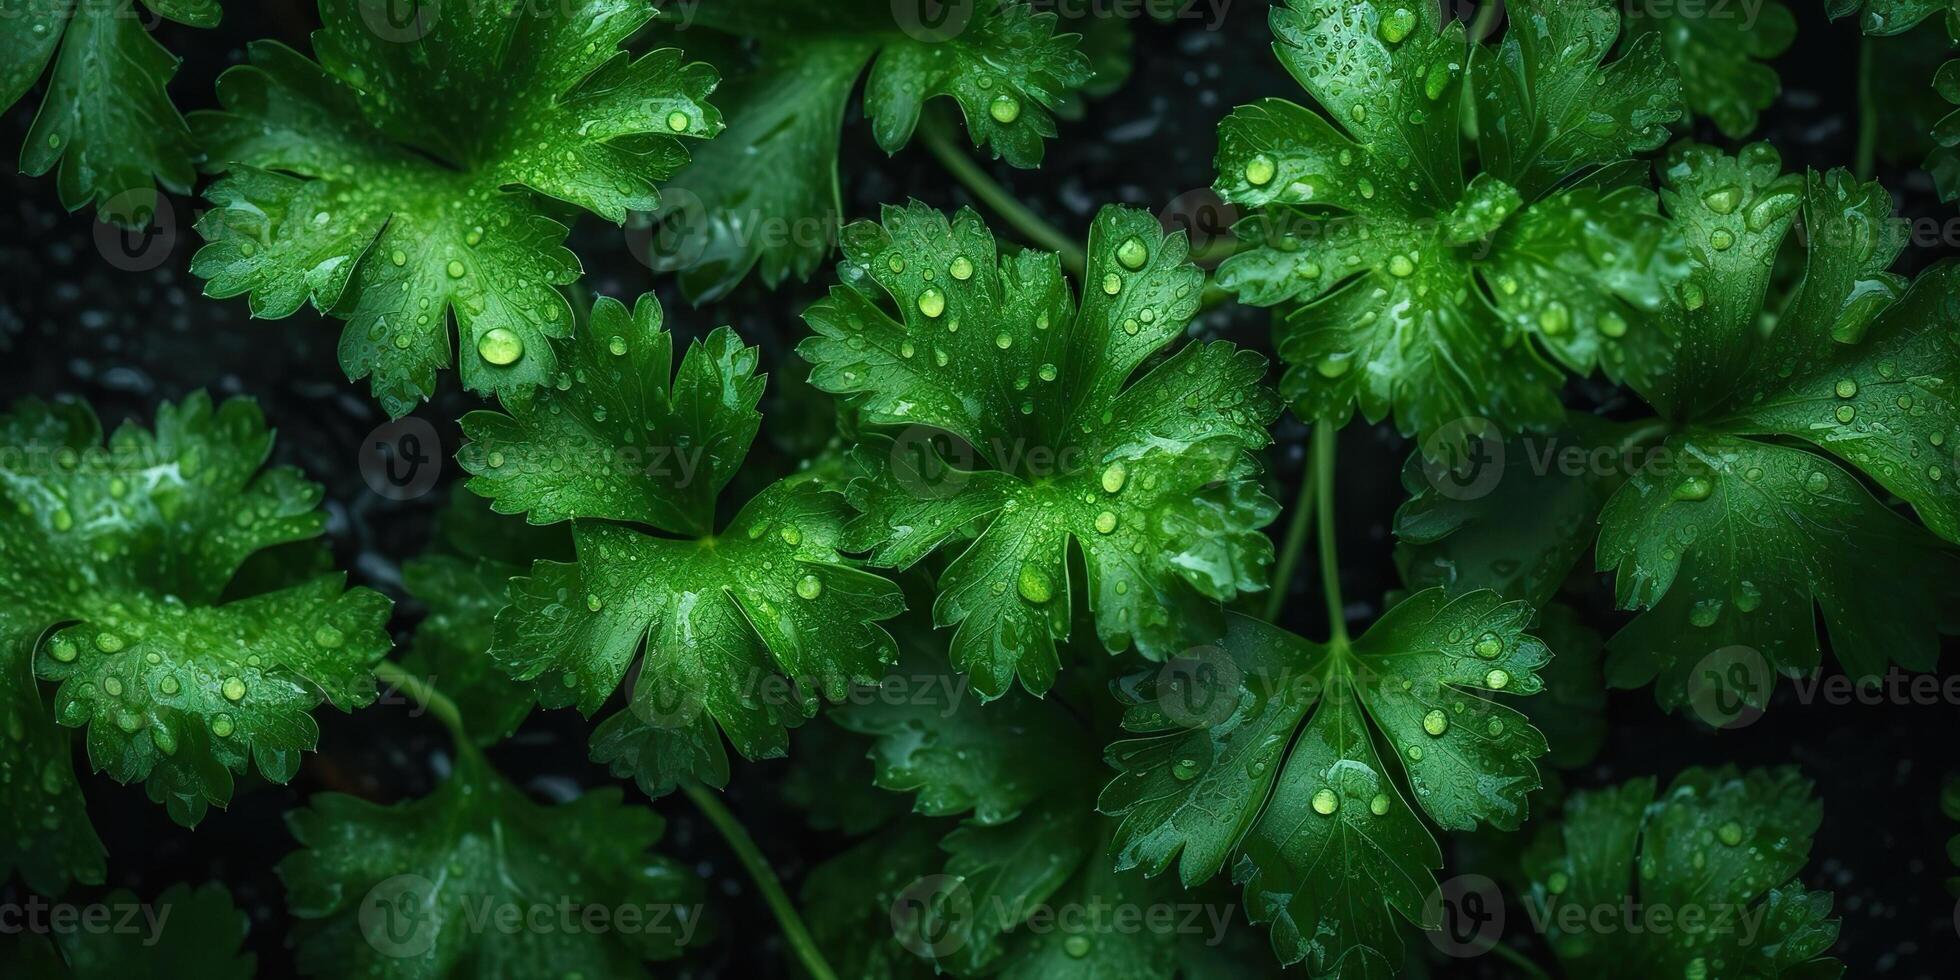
x: 72, y: 321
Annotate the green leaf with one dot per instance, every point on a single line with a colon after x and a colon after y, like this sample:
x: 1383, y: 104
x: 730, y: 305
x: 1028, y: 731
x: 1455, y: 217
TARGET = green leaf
x: 452, y: 645
x: 860, y: 892
x: 106, y: 120
x: 1738, y: 542
x: 1721, y: 846
x: 128, y: 549
x: 1887, y: 17
x: 394, y: 184
x: 1944, y: 160
x: 419, y: 889
x: 1719, y: 58
x: 767, y: 194
x: 840, y: 794
x: 1407, y: 291
x: 1153, y: 479
x: 183, y: 932
x: 1270, y: 758
x: 634, y: 453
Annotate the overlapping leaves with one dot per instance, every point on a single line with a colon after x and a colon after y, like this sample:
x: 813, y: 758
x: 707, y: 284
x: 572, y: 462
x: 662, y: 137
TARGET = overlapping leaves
x: 106, y: 120
x: 1717, y: 854
x: 117, y: 561
x: 1408, y: 290
x: 1264, y: 754
x: 403, y: 177
x: 743, y: 624
x: 1744, y: 508
x: 767, y: 194
x: 1718, y: 52
x: 1050, y: 441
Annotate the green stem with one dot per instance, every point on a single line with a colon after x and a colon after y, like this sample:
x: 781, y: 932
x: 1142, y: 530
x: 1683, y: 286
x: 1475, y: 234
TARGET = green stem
x: 1296, y: 542
x: 425, y: 694
x: 1330, y: 561
x: 765, y: 879
x: 998, y: 198
x: 1521, y: 961
x: 1866, y: 155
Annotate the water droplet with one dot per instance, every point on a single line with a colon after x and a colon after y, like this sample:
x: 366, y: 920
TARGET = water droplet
x: 1379, y: 805
x: 678, y: 121
x: 1694, y: 488
x: 221, y: 726
x: 1132, y: 253
x: 809, y: 587
x: 1729, y: 833
x: 1847, y: 388
x: 617, y: 345
x: 1554, y: 319
x: 1113, y: 477
x: 328, y: 636
x: 1106, y: 522
x: 1326, y: 801
x: 1076, y: 946
x: 1720, y: 239
x: 593, y: 603
x: 1260, y: 170
x: 1489, y: 645
x: 455, y: 269
x: 1035, y: 585
x: 1112, y: 284
x: 108, y: 642
x: 1005, y: 109
x: 1498, y: 679
x: 1401, y: 267
x: 1396, y: 24
x: 932, y: 302
x: 500, y: 346
x: 1845, y: 413
x: 169, y: 684
x: 1185, y: 769
x: 1613, y: 325
x: 1435, y: 722
x: 233, y: 689
x: 961, y: 269
x: 1816, y: 482
x: 1003, y: 340
x: 790, y: 535
x: 63, y: 649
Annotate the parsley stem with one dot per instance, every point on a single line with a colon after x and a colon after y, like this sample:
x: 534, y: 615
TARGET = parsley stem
x: 1521, y: 961
x: 998, y: 198
x: 1486, y: 21
x: 1289, y: 555
x: 1330, y: 562
x: 765, y: 878
x: 1865, y: 158
x: 434, y: 701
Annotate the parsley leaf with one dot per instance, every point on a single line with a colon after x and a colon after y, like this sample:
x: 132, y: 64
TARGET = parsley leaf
x: 128, y: 549
x: 393, y: 184
x: 1718, y: 53
x: 1735, y: 543
x: 194, y: 932
x: 106, y: 120
x: 1270, y: 756
x: 1152, y: 479
x: 1722, y: 846
x: 634, y: 454
x: 405, y: 890
x: 767, y: 194
x: 1021, y: 887
x: 1943, y: 162
x: 1406, y: 289
x: 45, y: 832
x: 1886, y: 17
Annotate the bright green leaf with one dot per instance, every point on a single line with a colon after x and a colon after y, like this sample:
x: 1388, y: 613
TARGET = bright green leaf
x: 1152, y: 479
x: 393, y: 183
x: 634, y: 453
x: 1277, y: 769
x: 128, y: 549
